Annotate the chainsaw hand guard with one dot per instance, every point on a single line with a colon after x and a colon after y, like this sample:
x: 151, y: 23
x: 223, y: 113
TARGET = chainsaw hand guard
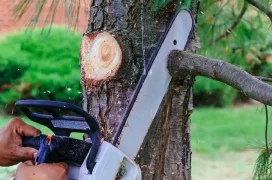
x: 61, y: 147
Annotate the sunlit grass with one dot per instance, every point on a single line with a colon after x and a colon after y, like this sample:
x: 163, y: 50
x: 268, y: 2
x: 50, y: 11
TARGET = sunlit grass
x: 222, y: 140
x: 227, y: 129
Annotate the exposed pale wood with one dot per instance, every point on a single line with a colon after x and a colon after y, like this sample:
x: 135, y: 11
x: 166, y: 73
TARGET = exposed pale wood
x: 100, y: 57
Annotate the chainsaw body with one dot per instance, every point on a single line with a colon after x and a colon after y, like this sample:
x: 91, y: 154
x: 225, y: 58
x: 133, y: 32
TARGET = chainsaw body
x: 111, y: 163
x: 88, y: 160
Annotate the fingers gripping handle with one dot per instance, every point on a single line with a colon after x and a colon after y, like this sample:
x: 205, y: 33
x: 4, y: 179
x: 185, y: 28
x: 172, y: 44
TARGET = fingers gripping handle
x: 69, y: 150
x: 47, y: 150
x: 33, y: 142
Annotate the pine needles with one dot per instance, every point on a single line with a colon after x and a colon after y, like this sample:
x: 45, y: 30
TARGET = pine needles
x: 263, y: 167
x: 35, y: 7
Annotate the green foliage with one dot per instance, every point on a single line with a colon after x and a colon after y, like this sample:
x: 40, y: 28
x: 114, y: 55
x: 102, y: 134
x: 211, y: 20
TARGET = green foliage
x: 208, y: 92
x: 265, y: 70
x: 248, y: 46
x: 72, y: 9
x: 40, y: 66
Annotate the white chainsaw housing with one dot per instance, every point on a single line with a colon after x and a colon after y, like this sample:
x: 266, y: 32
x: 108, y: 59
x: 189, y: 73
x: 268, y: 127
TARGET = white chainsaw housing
x: 111, y: 164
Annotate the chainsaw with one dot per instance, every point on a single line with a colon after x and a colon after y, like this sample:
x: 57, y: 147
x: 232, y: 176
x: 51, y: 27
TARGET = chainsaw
x: 91, y: 159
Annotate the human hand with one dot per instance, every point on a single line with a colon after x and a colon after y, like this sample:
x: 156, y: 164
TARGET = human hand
x: 54, y: 171
x: 11, y: 150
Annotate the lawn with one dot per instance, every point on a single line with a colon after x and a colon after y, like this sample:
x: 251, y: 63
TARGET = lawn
x: 229, y: 129
x: 222, y: 141
x: 225, y: 142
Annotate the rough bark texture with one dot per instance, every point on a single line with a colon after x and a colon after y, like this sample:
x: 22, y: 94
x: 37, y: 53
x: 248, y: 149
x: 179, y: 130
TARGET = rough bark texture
x: 181, y: 64
x: 166, y: 151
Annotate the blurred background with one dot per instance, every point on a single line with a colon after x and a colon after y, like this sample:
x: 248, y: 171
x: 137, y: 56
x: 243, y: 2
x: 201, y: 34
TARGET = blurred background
x: 227, y: 128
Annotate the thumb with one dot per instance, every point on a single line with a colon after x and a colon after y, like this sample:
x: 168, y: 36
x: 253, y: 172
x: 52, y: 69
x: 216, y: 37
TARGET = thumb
x: 27, y: 130
x: 24, y: 153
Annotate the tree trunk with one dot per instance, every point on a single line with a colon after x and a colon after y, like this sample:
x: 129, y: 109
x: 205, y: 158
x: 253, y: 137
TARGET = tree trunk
x: 166, y: 151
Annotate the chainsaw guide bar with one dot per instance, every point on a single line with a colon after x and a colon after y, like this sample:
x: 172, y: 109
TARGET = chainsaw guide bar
x: 152, y: 86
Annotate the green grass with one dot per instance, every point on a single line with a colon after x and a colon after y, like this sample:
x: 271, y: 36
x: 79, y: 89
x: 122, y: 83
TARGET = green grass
x: 227, y: 129
x: 223, y: 139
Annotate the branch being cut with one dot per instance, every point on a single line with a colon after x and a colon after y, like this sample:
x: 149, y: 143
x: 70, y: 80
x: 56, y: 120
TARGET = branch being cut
x: 265, y: 9
x: 181, y: 64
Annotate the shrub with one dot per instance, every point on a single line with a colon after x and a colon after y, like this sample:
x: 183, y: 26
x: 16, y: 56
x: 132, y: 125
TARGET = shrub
x: 208, y: 92
x: 40, y: 66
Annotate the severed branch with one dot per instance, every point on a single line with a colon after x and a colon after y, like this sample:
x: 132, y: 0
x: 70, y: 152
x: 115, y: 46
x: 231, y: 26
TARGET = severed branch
x: 233, y: 26
x: 265, y: 9
x: 181, y: 64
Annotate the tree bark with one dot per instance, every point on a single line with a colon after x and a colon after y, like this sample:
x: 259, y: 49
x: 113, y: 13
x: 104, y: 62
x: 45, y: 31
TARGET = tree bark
x: 166, y: 151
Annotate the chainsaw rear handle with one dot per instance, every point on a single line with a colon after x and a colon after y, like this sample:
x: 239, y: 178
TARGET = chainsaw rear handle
x: 63, y: 125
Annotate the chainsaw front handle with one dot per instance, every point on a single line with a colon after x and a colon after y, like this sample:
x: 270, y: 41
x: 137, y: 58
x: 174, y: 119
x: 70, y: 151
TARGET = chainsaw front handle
x: 51, y: 107
x: 62, y: 125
